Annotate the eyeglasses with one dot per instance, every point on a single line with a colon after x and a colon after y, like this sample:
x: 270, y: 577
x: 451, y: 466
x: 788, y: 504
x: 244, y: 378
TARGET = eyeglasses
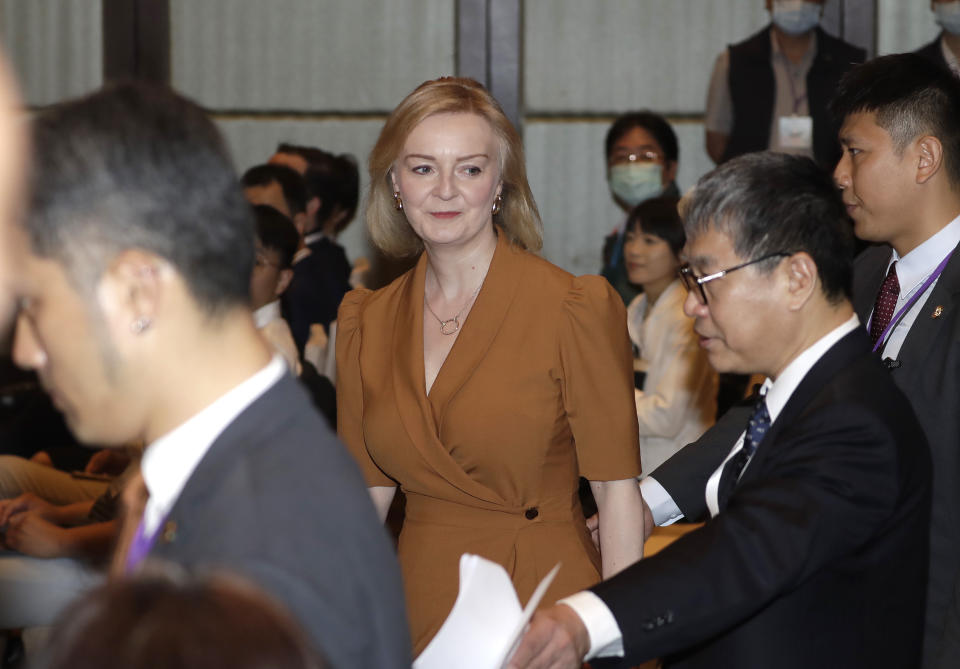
x: 691, y: 280
x: 623, y: 156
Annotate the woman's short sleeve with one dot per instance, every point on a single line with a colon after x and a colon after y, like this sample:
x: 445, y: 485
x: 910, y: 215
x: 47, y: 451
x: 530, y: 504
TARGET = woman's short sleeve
x: 597, y: 367
x: 350, y: 386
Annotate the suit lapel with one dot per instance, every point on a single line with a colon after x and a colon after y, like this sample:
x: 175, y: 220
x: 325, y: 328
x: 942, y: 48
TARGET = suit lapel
x: 936, y: 313
x: 840, y: 355
x: 422, y: 416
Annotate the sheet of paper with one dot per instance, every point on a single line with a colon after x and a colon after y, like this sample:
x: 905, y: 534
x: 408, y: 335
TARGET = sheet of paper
x: 486, y: 621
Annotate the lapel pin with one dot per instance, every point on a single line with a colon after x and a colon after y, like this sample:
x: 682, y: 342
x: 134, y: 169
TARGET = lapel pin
x: 169, y: 533
x: 936, y: 312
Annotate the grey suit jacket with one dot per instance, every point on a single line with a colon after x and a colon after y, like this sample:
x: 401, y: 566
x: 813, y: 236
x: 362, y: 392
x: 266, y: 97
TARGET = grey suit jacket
x: 927, y: 370
x: 278, y: 499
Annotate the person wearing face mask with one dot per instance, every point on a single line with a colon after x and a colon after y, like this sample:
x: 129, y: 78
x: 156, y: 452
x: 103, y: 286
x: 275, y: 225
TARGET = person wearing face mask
x: 771, y: 90
x: 642, y: 157
x: 945, y: 50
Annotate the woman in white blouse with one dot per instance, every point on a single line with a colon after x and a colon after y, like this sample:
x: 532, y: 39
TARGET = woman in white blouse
x: 676, y: 400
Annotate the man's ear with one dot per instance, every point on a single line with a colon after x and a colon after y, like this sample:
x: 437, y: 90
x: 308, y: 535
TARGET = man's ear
x: 283, y: 281
x: 300, y: 223
x: 929, y: 157
x: 802, y: 279
x: 313, y: 206
x: 131, y: 292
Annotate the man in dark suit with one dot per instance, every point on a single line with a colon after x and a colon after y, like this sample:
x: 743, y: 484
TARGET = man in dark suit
x: 900, y: 176
x: 814, y: 551
x: 133, y: 273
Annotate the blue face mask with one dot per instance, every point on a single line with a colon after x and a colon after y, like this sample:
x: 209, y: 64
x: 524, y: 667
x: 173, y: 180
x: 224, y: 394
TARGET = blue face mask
x: 636, y: 182
x: 796, y: 17
x: 948, y: 16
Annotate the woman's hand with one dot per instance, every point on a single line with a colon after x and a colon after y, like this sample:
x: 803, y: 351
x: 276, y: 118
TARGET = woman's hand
x: 620, y: 524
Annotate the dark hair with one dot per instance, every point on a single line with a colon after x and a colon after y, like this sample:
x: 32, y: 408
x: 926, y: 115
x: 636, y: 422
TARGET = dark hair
x: 290, y: 182
x: 771, y: 202
x: 138, y: 166
x: 176, y: 620
x: 311, y: 154
x: 653, y: 123
x: 335, y: 181
x: 277, y: 232
x: 909, y: 96
x: 659, y: 217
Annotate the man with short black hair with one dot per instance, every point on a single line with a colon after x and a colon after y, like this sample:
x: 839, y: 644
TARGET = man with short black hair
x: 133, y: 277
x: 814, y: 547
x: 900, y: 176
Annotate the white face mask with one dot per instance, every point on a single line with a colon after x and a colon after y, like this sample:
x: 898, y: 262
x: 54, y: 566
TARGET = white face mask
x: 948, y: 16
x: 636, y: 182
x: 796, y: 17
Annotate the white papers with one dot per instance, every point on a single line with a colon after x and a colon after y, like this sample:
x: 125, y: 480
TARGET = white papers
x: 486, y: 622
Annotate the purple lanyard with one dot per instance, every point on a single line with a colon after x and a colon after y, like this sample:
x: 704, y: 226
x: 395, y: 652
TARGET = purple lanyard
x: 881, y: 342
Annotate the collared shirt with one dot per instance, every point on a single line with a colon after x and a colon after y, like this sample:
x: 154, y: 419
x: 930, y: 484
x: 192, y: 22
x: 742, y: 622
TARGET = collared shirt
x: 790, y: 85
x: 316, y: 237
x: 950, y: 57
x: 276, y: 331
x: 169, y: 461
x: 606, y: 639
x: 912, y: 270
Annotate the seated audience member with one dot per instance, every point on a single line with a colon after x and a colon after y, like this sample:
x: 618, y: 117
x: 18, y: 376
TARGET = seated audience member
x: 945, y: 49
x: 137, y: 235
x: 161, y: 620
x: 677, y: 399
x: 52, y: 553
x: 642, y: 158
x: 814, y: 550
x: 276, y: 244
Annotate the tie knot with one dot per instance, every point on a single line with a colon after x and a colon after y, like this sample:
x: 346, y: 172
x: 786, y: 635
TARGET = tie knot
x: 757, y: 426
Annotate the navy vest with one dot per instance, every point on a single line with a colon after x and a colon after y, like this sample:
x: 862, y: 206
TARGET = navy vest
x: 752, y: 90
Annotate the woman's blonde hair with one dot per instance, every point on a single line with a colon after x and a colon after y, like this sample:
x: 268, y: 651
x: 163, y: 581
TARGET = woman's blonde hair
x: 518, y: 216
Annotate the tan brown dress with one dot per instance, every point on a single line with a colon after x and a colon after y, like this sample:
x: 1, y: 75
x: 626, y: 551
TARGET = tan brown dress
x: 536, y: 390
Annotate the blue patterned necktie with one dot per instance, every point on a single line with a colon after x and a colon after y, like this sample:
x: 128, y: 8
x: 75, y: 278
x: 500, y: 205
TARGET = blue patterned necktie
x: 756, y: 429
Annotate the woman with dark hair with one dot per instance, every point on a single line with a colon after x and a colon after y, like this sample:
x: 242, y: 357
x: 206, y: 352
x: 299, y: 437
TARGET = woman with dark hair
x: 642, y: 157
x: 676, y: 402
x: 484, y: 381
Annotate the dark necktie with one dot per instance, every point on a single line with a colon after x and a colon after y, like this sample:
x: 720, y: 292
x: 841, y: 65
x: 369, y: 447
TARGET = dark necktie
x: 756, y: 429
x: 885, y: 305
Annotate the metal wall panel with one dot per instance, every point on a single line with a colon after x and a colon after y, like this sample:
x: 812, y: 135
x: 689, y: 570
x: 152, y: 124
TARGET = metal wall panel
x: 615, y: 55
x: 252, y: 141
x: 567, y: 172
x: 55, y: 47
x: 309, y: 55
x: 904, y: 26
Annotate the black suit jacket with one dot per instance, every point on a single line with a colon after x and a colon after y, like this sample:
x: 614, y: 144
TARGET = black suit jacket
x: 319, y: 283
x: 278, y: 499
x: 819, y: 557
x: 934, y: 53
x: 927, y: 370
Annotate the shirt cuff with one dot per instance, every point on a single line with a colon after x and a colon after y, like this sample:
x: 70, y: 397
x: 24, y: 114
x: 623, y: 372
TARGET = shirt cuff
x: 606, y: 640
x: 665, y: 511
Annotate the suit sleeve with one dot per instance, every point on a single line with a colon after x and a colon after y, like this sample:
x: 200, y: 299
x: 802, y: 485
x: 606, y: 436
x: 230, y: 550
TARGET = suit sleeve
x: 350, y: 387
x: 832, y: 484
x: 597, y: 381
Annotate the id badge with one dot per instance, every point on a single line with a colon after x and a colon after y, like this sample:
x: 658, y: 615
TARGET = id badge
x: 796, y: 132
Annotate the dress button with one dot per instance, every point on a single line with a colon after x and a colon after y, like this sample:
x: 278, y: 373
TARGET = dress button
x: 531, y: 513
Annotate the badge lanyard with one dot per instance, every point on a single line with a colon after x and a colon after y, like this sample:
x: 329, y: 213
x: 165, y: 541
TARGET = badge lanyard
x: 881, y: 342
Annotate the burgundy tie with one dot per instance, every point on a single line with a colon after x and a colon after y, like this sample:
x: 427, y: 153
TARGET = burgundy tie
x: 885, y: 305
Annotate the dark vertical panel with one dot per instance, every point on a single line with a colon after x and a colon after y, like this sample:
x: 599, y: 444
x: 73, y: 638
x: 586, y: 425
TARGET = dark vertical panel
x: 136, y: 39
x: 860, y: 24
x: 471, y: 43
x: 119, y: 39
x: 504, y: 56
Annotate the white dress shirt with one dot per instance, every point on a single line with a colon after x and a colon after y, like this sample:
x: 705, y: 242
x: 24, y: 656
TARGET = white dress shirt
x: 606, y: 639
x: 912, y: 270
x: 169, y: 461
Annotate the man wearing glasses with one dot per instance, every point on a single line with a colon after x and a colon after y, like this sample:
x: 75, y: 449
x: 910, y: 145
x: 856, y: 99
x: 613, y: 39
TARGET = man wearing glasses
x: 816, y: 497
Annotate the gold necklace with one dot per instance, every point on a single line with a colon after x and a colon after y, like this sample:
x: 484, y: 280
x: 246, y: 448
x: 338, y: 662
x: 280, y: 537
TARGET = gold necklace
x: 452, y: 325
